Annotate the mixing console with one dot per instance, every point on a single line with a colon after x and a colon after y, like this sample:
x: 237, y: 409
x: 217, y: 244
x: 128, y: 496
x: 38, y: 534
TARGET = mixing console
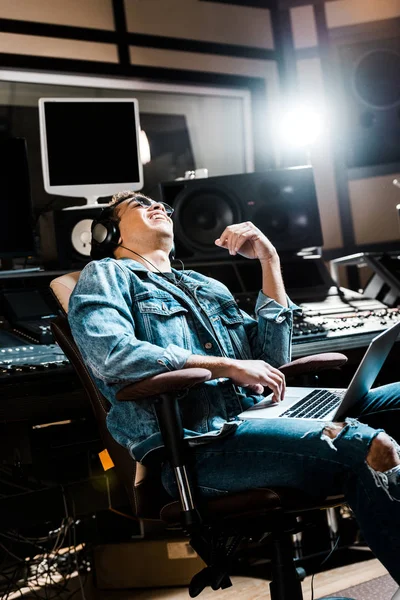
x: 315, y: 332
x: 29, y: 359
x: 336, y: 323
x: 18, y: 357
x: 312, y: 327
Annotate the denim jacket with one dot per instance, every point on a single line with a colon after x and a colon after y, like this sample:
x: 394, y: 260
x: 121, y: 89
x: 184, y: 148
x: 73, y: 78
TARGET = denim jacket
x: 130, y: 323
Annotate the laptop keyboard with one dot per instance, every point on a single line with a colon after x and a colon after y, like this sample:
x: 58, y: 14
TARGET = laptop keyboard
x: 315, y: 405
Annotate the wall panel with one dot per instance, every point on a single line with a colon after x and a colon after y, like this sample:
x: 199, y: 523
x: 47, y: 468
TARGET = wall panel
x: 303, y: 27
x: 11, y: 43
x: 206, y: 21
x: 78, y: 13
x: 373, y: 205
x: 175, y: 59
x: 354, y: 12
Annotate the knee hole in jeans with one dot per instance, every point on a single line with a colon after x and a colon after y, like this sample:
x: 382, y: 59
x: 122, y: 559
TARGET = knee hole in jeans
x: 382, y: 454
x: 333, y: 429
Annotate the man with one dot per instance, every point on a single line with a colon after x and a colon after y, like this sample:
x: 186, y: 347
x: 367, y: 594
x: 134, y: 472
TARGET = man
x: 133, y: 316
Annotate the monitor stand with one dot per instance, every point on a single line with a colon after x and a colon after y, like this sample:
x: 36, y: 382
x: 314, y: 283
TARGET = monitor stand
x: 91, y: 202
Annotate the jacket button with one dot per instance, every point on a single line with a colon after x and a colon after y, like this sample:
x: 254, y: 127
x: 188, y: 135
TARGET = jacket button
x: 208, y: 345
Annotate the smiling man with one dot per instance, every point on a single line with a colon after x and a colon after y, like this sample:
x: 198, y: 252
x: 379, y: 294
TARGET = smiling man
x: 133, y: 316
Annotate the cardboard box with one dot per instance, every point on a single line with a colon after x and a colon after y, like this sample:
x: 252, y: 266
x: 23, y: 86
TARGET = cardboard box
x: 145, y: 563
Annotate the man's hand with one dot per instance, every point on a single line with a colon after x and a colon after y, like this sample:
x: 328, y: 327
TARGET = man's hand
x: 255, y: 374
x: 251, y: 374
x: 247, y: 240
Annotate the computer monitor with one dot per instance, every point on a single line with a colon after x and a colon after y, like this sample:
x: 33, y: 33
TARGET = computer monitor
x: 16, y: 212
x: 90, y: 146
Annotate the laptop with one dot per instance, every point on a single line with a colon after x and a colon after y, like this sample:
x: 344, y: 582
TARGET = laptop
x: 329, y: 404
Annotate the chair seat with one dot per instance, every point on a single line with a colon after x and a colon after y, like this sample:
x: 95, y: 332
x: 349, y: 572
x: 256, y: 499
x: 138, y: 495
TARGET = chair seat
x: 256, y: 502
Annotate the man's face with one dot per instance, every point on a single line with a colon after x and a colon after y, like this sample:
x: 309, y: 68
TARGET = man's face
x: 148, y: 225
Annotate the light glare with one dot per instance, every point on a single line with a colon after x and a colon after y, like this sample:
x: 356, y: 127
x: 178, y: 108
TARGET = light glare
x: 145, y: 155
x: 301, y: 127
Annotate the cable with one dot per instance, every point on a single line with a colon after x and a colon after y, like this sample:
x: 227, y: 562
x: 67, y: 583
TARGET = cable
x: 76, y: 563
x: 10, y: 584
x: 323, y: 562
x: 74, y: 543
x: 148, y: 261
x: 44, y: 572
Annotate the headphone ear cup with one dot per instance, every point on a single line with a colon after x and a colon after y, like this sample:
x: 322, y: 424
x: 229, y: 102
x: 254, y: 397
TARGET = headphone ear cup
x: 105, y: 238
x: 99, y: 232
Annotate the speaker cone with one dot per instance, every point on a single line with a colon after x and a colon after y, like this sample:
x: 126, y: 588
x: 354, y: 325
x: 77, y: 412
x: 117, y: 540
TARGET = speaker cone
x: 376, y: 78
x: 202, y: 215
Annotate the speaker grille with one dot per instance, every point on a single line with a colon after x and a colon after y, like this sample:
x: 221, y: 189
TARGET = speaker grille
x: 377, y: 78
x: 202, y: 215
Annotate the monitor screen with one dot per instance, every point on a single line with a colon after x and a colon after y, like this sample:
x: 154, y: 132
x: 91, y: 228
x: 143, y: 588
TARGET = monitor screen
x: 16, y: 222
x: 90, y: 147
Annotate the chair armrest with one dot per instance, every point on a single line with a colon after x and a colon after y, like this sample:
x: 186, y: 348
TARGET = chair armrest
x: 313, y: 363
x: 174, y: 381
x: 164, y: 383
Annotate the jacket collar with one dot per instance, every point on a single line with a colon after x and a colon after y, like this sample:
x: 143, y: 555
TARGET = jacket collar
x: 187, y: 278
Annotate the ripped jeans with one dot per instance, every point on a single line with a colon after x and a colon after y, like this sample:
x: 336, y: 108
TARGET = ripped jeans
x: 297, y: 454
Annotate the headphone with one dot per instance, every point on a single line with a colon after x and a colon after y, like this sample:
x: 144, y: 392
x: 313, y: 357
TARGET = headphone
x: 106, y: 236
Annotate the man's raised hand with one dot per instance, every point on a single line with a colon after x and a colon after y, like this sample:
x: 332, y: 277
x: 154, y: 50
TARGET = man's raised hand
x: 247, y: 240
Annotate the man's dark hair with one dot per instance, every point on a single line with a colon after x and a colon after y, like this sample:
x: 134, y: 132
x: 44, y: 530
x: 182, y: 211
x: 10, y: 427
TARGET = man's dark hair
x: 118, y: 199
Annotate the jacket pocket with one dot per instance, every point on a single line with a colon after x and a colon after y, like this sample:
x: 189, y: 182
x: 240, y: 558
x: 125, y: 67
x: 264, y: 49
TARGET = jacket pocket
x: 164, y: 321
x: 161, y: 306
x: 234, y: 332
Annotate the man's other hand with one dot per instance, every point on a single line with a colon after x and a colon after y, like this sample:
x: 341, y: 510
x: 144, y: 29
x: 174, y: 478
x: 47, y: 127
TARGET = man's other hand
x: 252, y: 373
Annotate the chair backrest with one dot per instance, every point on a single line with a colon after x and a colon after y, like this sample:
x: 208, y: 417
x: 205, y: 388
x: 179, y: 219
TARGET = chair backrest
x: 143, y: 484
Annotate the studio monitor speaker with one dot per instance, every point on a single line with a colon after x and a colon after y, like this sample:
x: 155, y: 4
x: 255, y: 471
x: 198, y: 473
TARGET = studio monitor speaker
x: 371, y: 101
x: 65, y: 237
x: 281, y: 203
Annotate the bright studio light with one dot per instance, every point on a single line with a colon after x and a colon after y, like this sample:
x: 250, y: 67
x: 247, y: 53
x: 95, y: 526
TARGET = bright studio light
x: 301, y: 127
x: 145, y: 155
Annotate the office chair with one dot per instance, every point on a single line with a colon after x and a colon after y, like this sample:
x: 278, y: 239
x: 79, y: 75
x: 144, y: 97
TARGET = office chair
x: 218, y: 528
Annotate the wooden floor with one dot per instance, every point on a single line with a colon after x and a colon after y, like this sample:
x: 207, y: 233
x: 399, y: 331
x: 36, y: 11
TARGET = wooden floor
x: 243, y: 588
